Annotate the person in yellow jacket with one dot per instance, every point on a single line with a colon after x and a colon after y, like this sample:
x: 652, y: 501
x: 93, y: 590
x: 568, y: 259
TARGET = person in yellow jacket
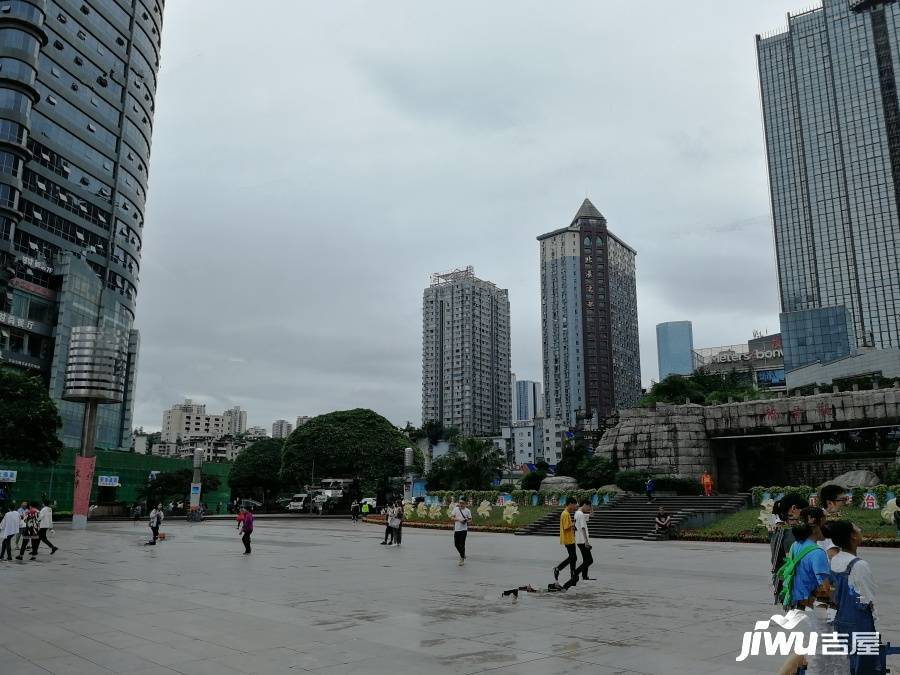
x: 567, y: 539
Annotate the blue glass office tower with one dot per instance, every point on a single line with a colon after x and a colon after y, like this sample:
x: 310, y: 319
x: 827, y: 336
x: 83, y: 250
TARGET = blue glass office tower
x: 77, y: 96
x: 675, y: 348
x: 832, y: 124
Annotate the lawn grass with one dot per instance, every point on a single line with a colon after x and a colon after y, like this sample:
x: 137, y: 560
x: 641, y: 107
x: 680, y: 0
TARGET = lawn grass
x: 747, y: 521
x: 527, y: 515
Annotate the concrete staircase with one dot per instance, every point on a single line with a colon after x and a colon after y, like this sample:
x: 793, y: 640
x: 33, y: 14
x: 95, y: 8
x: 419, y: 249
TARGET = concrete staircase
x: 630, y: 516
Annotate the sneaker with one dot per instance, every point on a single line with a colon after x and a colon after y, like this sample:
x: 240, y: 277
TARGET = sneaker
x: 54, y: 550
x: 462, y: 561
x: 18, y: 557
x: 383, y: 543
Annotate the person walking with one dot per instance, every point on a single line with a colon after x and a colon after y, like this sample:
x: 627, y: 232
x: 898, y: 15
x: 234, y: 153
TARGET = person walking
x: 23, y: 507
x: 649, y: 487
x: 246, y: 529
x: 9, y: 528
x: 461, y: 517
x: 567, y: 540
x: 853, y: 593
x: 156, y: 518
x: 354, y: 512
x: 398, y: 522
x: 30, y: 523
x: 583, y: 539
x: 45, y: 523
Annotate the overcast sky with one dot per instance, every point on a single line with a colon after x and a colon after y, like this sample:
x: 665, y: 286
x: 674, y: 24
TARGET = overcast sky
x: 314, y: 162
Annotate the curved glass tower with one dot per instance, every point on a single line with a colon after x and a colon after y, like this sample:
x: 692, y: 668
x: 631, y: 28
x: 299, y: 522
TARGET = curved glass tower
x: 77, y: 95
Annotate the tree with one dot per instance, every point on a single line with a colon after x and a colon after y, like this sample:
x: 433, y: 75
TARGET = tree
x: 29, y: 419
x: 532, y: 480
x: 701, y: 387
x: 256, y: 470
x: 345, y: 444
x: 170, y: 485
x: 595, y: 472
x: 471, y: 465
x: 571, y: 457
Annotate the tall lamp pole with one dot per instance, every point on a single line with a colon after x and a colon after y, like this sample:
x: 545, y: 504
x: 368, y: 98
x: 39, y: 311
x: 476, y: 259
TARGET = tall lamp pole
x: 95, y: 375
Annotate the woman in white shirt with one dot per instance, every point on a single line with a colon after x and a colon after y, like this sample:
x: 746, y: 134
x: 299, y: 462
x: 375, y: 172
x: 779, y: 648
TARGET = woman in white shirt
x: 9, y: 528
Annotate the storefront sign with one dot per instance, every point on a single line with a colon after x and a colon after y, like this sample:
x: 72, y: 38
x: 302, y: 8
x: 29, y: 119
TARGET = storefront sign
x: 756, y: 355
x: 10, y: 361
x: 108, y: 481
x: 16, y: 321
x: 8, y: 476
x: 36, y: 264
x: 32, y: 288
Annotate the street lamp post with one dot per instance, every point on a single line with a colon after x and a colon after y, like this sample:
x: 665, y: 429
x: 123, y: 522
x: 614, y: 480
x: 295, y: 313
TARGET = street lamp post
x: 95, y: 375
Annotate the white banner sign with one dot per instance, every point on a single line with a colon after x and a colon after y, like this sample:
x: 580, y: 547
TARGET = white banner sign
x: 8, y: 476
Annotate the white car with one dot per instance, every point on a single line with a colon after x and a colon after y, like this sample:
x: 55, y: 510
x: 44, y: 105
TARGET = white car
x: 298, y: 502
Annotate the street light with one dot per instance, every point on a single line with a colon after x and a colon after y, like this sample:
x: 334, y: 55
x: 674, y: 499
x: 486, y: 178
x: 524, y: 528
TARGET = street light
x: 95, y: 374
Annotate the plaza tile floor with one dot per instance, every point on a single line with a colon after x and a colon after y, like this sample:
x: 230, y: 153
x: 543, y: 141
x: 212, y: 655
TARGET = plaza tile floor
x: 325, y: 597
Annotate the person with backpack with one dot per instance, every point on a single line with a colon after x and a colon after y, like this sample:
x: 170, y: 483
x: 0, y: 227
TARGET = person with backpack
x: 806, y: 580
x: 787, y: 510
x: 30, y: 532
x: 853, y: 593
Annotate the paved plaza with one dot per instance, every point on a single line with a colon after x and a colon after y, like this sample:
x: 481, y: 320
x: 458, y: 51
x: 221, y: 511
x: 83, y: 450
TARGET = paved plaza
x: 325, y: 597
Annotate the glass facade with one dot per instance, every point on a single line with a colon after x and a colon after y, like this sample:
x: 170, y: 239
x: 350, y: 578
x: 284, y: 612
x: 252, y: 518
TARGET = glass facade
x: 675, y: 348
x: 832, y: 124
x: 812, y: 335
x: 77, y: 97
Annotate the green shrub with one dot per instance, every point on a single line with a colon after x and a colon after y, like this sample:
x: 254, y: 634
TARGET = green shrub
x: 632, y: 481
x: 678, y: 485
x: 532, y: 481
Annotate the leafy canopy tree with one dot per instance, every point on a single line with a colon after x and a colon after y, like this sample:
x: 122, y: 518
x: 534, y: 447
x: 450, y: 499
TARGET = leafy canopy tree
x: 702, y: 388
x: 356, y: 443
x: 471, y: 465
x: 532, y: 480
x: 28, y: 419
x: 256, y: 470
x: 571, y: 457
x: 595, y: 472
x: 170, y: 485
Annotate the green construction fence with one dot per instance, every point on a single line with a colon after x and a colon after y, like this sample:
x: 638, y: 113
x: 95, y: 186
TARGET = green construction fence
x: 57, y: 481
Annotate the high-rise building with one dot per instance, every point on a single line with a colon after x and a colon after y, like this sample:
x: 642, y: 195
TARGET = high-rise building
x: 528, y: 402
x: 588, y: 319
x: 466, y: 354
x: 675, y: 348
x: 77, y: 97
x: 832, y: 125
x: 281, y: 429
x: 235, y: 420
x: 301, y: 420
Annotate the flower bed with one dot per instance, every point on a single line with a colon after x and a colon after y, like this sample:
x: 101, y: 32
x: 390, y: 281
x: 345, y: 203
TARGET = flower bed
x: 438, y: 525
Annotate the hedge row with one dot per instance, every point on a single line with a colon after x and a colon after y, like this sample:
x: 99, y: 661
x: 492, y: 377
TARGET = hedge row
x: 753, y: 538
x: 520, y: 497
x: 880, y: 492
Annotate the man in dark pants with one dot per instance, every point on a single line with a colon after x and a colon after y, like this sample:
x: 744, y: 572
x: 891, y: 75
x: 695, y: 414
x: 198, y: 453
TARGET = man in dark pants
x: 461, y: 517
x: 583, y: 539
x: 45, y: 523
x: 567, y: 539
x: 246, y: 529
x: 156, y: 518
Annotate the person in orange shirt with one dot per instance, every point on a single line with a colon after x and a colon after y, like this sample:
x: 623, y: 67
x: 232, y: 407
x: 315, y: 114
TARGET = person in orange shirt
x: 567, y: 539
x: 707, y: 482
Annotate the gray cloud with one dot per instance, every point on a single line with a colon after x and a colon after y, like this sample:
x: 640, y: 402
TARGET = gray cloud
x: 309, y: 173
